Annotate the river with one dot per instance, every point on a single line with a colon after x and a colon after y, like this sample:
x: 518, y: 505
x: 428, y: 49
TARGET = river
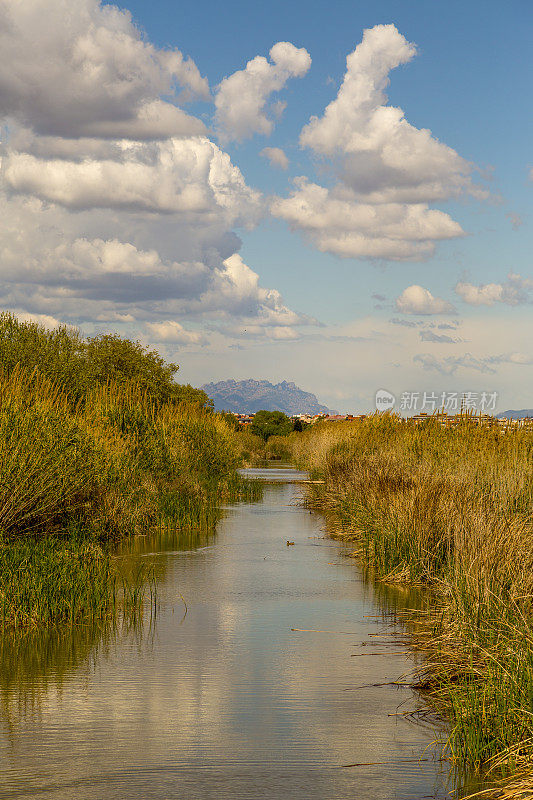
x: 226, y: 700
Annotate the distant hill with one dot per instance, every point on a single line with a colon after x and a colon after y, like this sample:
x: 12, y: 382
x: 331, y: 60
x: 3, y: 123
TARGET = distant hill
x: 250, y: 396
x: 524, y: 412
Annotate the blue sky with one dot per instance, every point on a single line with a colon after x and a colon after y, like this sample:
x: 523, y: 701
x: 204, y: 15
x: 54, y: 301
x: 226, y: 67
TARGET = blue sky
x: 146, y: 205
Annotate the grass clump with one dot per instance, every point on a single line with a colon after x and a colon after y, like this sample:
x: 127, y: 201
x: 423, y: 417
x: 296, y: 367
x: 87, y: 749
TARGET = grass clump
x: 113, y: 463
x: 47, y: 458
x: 50, y: 581
x: 451, y: 510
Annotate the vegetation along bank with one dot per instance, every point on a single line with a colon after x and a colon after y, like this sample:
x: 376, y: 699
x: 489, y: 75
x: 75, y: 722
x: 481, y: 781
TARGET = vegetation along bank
x: 97, y: 441
x: 449, y: 510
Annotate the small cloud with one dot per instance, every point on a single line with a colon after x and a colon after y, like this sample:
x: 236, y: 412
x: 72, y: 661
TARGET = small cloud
x: 276, y: 156
x: 513, y: 358
x: 241, y: 101
x: 405, y: 323
x: 520, y: 358
x: 429, y: 336
x: 278, y: 108
x: 417, y: 300
x: 380, y: 297
x: 115, y: 316
x: 515, y: 220
x: 249, y: 331
x: 448, y: 326
x: 171, y: 331
x: 450, y: 365
x: 514, y: 291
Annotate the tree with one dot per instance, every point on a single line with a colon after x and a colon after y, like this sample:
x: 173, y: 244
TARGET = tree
x: 111, y: 358
x: 271, y: 423
x: 185, y: 393
x: 57, y: 354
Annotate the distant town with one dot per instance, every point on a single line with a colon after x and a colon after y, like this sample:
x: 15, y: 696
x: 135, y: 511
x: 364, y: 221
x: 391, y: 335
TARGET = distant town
x: 440, y: 417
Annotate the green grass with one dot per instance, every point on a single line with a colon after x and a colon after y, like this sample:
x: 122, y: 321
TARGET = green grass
x: 56, y: 581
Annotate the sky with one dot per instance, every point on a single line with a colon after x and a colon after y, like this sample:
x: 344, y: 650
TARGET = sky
x: 332, y: 193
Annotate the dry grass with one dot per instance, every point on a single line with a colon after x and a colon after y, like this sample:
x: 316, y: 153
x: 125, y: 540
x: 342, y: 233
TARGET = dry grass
x: 106, y: 461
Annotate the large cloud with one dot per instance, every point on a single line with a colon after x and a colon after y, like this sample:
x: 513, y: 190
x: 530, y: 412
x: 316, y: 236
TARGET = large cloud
x: 382, y: 157
x: 115, y: 206
x: 187, y: 176
x: 388, y: 171
x: 78, y: 68
x: 241, y: 98
x: 54, y: 268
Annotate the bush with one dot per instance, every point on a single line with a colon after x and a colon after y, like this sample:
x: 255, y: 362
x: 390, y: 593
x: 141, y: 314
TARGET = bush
x: 271, y: 423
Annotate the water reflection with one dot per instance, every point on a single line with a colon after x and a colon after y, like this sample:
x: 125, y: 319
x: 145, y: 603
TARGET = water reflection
x: 229, y: 701
x: 274, y: 474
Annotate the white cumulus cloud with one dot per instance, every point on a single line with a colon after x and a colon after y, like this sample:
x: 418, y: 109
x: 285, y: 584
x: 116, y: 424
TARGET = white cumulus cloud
x: 187, y: 176
x: 383, y: 158
x: 337, y: 223
x: 241, y: 99
x: 116, y: 208
x: 41, y: 319
x: 387, y: 170
x: 79, y: 68
x: 417, y: 300
x: 236, y: 290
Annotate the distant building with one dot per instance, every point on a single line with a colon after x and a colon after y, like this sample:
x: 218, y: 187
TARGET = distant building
x: 244, y: 419
x: 470, y: 418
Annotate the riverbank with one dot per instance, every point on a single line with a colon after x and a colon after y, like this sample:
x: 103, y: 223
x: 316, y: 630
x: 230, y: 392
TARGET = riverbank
x: 97, y: 442
x: 449, y: 510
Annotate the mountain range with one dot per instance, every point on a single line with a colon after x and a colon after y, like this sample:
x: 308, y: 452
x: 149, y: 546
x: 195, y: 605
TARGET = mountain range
x: 524, y: 412
x: 249, y: 396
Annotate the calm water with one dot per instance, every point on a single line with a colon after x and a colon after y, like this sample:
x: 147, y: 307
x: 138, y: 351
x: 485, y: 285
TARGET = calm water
x: 227, y: 701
